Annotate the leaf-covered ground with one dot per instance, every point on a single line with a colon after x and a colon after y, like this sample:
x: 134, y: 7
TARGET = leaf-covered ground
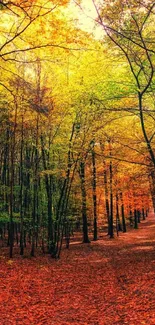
x: 107, y: 282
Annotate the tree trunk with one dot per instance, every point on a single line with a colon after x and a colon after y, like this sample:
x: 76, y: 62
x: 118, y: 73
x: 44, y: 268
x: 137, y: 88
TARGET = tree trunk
x: 138, y: 216
x: 35, y: 191
x: 122, y: 212
x: 13, y: 144
x: 106, y: 198
x: 118, y: 222
x: 143, y: 213
x: 135, y: 219
x: 111, y: 226
x: 94, y: 193
x: 84, y: 204
x: 152, y: 187
x: 21, y: 193
x: 48, y: 183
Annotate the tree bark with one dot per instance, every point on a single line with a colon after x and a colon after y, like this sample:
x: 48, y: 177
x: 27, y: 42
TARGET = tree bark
x: 84, y: 204
x: 111, y: 226
x: 118, y: 222
x: 122, y: 212
x: 94, y: 193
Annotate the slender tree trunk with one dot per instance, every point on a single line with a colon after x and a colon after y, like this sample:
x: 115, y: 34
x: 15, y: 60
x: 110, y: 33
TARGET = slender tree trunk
x: 106, y: 198
x: 26, y: 190
x: 106, y: 191
x: 138, y: 216
x: 122, y: 212
x: 48, y: 183
x: 36, y: 162
x: 13, y: 144
x: 5, y: 171
x: 130, y: 218
x: 21, y: 193
x: 143, y: 213
x: 94, y: 193
x: 111, y: 226
x: 11, y: 230
x: 118, y: 222
x: 84, y: 204
x: 135, y: 219
x: 35, y: 191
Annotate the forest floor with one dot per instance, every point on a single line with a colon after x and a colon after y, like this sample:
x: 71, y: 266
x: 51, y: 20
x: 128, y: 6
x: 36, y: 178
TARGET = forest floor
x: 107, y: 282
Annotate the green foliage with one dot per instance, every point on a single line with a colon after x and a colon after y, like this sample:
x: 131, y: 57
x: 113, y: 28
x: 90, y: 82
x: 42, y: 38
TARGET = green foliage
x: 2, y: 6
x: 4, y: 217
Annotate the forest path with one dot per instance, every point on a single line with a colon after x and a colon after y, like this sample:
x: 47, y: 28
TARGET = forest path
x: 108, y: 282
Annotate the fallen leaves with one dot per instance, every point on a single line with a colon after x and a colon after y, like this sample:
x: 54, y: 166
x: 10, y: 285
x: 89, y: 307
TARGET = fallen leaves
x: 102, y: 283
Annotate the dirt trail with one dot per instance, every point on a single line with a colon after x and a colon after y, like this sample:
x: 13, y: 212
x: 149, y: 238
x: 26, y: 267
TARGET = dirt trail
x: 108, y: 282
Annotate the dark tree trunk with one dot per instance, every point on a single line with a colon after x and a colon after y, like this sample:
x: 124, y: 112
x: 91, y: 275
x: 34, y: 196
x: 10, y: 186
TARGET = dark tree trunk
x: 135, y: 219
x: 21, y: 193
x: 94, y: 193
x: 35, y: 191
x: 131, y: 218
x: 152, y: 187
x: 122, y: 212
x: 111, y: 226
x: 118, y: 222
x: 138, y: 216
x: 13, y: 144
x: 106, y: 198
x: 84, y: 204
x: 143, y: 213
x: 48, y: 183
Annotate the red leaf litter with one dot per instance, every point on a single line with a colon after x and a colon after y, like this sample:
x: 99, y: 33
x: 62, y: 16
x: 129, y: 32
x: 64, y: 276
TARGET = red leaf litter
x: 107, y: 282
